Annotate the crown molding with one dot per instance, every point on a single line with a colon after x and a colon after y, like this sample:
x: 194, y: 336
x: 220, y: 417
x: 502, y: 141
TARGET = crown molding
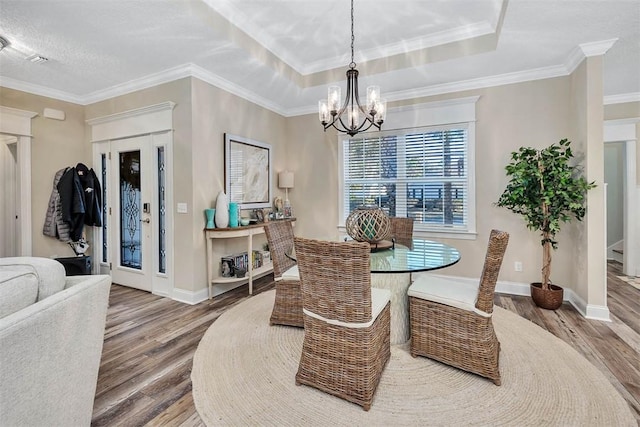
x: 146, y: 82
x: 622, y: 98
x: 190, y: 70
x: 212, y: 79
x: 597, y: 48
x: 585, y: 50
x: 40, y: 90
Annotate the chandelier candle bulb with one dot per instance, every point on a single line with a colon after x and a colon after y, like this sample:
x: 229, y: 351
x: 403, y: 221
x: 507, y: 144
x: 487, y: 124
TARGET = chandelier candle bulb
x: 323, y: 109
x: 373, y: 98
x: 334, y: 99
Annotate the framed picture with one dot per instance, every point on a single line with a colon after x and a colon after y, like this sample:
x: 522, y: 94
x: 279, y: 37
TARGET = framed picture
x: 247, y: 171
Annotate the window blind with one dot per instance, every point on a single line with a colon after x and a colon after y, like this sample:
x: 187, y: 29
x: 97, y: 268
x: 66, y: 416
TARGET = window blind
x: 419, y: 173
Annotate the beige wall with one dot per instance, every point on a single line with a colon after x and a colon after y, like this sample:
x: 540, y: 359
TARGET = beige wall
x: 216, y: 112
x: 55, y: 145
x: 179, y: 92
x: 533, y: 114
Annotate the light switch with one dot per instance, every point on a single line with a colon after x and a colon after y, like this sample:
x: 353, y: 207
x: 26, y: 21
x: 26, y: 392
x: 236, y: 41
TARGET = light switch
x: 182, y: 208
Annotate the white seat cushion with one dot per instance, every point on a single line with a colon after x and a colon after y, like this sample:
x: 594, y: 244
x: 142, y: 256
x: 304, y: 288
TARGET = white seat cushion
x: 446, y: 291
x: 379, y: 299
x: 50, y: 273
x: 18, y: 288
x: 291, y: 274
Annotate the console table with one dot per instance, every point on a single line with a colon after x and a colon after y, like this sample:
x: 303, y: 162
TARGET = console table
x: 244, y: 231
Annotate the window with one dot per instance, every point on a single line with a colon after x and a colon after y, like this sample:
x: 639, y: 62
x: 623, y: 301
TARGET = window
x: 424, y: 173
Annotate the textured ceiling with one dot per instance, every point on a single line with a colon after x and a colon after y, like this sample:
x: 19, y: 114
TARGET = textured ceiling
x: 283, y: 53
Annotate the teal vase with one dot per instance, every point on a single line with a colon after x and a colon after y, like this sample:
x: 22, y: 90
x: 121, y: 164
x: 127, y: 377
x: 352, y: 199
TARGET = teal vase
x: 233, y: 214
x: 210, y: 214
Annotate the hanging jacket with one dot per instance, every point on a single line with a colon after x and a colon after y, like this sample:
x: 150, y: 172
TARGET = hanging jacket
x: 72, y: 202
x: 92, y: 195
x: 54, y: 226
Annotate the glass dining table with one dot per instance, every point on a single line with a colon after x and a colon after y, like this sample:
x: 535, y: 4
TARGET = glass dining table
x: 392, y: 268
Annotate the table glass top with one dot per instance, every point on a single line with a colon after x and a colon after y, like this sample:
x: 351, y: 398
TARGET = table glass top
x: 421, y: 255
x: 417, y: 255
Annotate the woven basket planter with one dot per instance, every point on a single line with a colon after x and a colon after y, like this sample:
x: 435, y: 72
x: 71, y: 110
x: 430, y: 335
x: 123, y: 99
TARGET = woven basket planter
x: 367, y: 224
x: 549, y: 299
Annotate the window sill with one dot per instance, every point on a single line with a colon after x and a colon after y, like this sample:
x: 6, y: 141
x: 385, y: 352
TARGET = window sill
x: 431, y: 234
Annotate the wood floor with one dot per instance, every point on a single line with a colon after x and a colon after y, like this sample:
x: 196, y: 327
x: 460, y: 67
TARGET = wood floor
x: 149, y: 344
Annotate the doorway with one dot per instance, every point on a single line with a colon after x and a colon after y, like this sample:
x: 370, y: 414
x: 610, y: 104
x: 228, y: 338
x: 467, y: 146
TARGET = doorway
x: 620, y: 137
x: 133, y: 159
x: 8, y: 185
x: 15, y: 133
x: 134, y: 240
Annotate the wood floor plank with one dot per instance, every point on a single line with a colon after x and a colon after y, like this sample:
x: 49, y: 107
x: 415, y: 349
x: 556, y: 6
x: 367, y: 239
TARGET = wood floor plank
x: 150, y: 341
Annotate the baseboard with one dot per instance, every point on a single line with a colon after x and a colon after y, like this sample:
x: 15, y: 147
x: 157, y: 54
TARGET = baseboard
x: 190, y: 297
x: 590, y: 311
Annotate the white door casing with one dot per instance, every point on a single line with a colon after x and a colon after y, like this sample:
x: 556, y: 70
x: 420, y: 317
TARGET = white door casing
x: 148, y: 130
x: 18, y: 123
x: 625, y: 131
x: 8, y: 191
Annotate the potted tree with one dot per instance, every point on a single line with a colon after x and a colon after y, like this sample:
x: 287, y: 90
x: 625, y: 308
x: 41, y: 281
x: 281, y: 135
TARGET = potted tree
x: 547, y: 191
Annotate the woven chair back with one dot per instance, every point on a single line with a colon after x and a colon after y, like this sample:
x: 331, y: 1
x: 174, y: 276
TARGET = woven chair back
x: 336, y: 279
x: 280, y: 239
x: 493, y: 261
x: 401, y: 229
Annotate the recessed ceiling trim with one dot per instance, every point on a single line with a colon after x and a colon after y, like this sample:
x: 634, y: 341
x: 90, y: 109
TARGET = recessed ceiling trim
x: 406, y: 46
x: 240, y: 19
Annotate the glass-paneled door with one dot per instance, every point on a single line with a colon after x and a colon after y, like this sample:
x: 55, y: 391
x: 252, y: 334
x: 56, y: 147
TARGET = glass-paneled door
x: 131, y: 215
x: 135, y: 242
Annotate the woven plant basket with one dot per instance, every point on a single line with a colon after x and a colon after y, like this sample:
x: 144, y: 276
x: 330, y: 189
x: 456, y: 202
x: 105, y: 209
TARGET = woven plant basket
x: 549, y: 299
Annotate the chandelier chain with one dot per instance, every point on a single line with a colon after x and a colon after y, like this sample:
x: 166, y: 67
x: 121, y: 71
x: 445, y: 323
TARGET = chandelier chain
x: 353, y: 64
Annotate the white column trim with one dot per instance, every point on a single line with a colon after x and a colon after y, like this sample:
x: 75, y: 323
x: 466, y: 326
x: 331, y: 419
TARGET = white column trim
x: 18, y: 122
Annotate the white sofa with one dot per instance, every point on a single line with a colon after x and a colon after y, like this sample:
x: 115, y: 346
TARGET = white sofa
x: 51, y: 335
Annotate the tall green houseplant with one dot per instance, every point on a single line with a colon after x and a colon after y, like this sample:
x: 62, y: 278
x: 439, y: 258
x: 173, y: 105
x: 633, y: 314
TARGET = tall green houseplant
x: 547, y: 191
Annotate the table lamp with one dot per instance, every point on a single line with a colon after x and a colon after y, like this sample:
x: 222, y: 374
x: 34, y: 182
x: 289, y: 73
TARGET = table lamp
x: 285, y: 180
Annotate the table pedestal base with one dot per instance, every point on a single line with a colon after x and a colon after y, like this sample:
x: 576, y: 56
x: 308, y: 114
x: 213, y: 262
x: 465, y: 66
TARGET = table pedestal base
x: 398, y: 284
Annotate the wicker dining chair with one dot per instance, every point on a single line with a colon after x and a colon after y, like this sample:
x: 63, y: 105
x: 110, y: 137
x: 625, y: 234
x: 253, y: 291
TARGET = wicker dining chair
x: 400, y: 230
x: 346, y: 322
x: 451, y: 320
x: 287, y: 308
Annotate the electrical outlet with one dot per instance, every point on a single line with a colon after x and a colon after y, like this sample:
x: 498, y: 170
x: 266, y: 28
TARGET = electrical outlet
x: 517, y: 266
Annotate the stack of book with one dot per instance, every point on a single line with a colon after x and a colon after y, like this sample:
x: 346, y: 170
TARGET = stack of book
x: 230, y: 264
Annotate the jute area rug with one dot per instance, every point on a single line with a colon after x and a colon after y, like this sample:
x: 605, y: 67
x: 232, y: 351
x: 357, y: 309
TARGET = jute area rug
x: 244, y: 374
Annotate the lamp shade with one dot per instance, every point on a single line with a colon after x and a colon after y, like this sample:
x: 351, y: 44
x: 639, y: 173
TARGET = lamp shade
x: 285, y: 179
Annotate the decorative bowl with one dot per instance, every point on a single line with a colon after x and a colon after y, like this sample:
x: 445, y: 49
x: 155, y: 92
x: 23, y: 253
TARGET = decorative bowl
x: 244, y: 221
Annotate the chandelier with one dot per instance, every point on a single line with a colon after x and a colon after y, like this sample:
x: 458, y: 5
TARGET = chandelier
x: 347, y: 118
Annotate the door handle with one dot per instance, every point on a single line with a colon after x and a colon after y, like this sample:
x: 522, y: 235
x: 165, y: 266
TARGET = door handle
x: 147, y: 220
